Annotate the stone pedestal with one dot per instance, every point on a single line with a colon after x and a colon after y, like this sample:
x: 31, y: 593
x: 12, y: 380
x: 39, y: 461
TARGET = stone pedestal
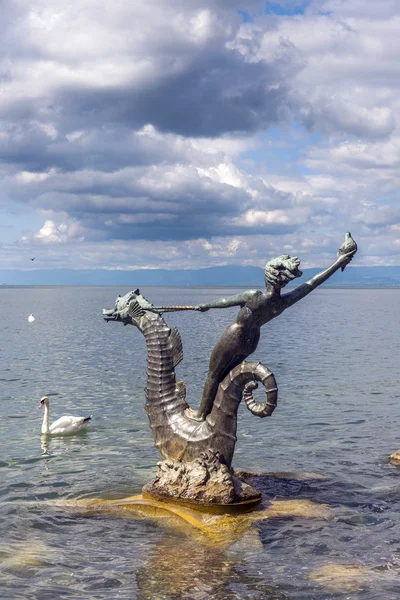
x: 205, y: 481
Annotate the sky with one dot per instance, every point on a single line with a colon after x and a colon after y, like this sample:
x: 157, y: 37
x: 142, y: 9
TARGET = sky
x: 193, y: 133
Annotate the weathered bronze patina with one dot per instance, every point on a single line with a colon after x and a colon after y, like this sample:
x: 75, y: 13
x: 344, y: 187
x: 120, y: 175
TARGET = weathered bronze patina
x: 198, y: 445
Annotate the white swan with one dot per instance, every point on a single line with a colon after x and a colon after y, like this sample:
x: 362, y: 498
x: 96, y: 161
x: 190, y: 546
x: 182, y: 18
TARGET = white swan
x: 66, y: 425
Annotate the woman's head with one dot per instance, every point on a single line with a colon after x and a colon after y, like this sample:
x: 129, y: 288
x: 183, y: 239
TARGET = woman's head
x: 279, y: 271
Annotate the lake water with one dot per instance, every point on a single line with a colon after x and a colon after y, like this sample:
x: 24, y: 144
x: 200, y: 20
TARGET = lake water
x: 335, y: 356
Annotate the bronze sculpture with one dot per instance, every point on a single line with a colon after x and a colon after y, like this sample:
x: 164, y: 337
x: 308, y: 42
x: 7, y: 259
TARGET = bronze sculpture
x: 348, y: 245
x: 240, y: 339
x: 198, y: 446
x: 208, y: 445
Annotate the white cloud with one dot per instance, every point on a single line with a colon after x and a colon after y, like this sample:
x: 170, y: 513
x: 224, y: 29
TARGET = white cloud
x: 51, y: 233
x: 144, y: 128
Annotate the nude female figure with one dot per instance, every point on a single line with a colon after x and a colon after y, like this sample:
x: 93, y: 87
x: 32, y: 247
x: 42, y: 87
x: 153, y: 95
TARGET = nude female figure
x: 240, y: 339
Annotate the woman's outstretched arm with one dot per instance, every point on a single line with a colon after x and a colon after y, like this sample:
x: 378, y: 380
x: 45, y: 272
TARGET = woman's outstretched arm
x: 176, y: 308
x: 303, y: 290
x: 238, y: 300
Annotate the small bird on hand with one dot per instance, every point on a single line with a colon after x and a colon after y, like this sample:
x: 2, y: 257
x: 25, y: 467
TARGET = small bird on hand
x: 348, y: 246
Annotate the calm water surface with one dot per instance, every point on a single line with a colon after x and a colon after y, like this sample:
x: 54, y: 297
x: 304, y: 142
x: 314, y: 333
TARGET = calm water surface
x: 335, y: 357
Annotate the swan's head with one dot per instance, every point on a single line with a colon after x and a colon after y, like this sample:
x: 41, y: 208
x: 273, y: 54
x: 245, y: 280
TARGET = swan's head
x: 43, y: 401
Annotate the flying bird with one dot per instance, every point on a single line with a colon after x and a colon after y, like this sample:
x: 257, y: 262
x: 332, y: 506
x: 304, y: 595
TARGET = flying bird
x: 349, y: 245
x: 66, y: 425
x: 31, y: 318
x: 33, y: 258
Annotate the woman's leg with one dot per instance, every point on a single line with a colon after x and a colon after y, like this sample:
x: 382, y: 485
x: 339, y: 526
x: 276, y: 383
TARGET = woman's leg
x: 217, y: 373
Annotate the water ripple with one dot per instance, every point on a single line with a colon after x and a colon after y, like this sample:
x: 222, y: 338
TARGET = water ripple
x: 337, y: 419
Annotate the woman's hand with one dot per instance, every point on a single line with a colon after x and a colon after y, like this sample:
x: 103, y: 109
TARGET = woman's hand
x: 345, y: 259
x: 202, y: 307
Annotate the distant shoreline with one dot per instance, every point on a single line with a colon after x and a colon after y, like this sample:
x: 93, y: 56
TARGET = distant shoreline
x: 177, y: 286
x: 228, y: 276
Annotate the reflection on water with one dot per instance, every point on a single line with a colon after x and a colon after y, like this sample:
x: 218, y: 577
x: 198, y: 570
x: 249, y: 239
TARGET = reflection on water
x: 57, y: 444
x: 44, y: 444
x: 337, y: 418
x: 179, y: 568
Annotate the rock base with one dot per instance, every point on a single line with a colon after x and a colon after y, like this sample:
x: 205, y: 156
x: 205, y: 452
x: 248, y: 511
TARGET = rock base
x: 205, y: 481
x: 395, y: 457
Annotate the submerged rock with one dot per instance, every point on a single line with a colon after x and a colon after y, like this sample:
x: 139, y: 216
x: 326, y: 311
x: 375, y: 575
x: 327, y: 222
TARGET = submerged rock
x: 395, y: 457
x: 336, y: 576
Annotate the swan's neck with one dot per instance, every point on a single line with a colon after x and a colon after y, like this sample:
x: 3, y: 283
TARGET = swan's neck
x: 45, y: 424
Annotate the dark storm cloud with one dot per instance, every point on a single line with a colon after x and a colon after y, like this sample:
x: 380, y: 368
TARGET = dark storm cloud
x: 155, y: 202
x: 184, y: 227
x: 108, y: 140
x: 70, y: 123
x: 216, y: 94
x: 126, y: 121
x: 105, y: 148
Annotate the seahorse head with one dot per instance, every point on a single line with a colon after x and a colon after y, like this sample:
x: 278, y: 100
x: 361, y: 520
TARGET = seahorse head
x: 128, y: 308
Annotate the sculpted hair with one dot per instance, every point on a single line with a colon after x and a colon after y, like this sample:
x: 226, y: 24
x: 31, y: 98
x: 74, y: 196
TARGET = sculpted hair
x: 282, y: 269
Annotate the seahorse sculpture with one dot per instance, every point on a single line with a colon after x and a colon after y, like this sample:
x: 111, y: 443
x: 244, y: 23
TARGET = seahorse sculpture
x: 197, y: 445
x: 176, y: 436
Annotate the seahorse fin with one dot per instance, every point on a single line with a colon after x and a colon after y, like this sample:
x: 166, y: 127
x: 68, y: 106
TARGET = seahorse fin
x: 146, y: 303
x: 135, y: 311
x: 177, y: 349
x: 180, y: 390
